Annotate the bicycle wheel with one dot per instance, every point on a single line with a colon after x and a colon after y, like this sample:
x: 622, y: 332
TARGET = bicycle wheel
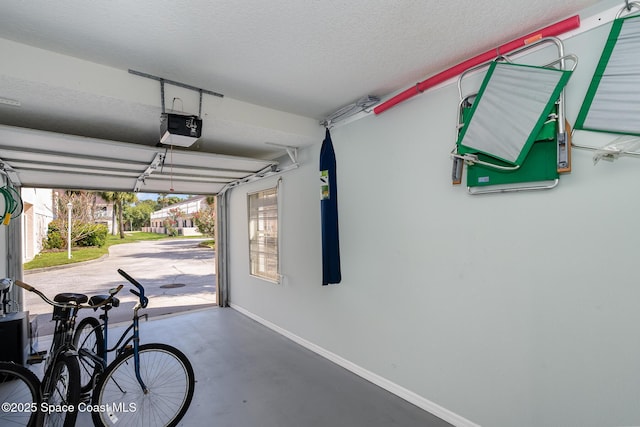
x: 19, y: 395
x: 89, y: 342
x: 61, y: 392
x: 168, y: 375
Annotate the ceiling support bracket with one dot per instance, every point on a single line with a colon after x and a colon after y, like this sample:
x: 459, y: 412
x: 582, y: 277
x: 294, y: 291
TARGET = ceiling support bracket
x: 293, y: 154
x: 174, y: 83
x: 291, y: 151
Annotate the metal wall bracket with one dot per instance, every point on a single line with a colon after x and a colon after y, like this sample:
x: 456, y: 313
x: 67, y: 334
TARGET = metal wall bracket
x: 291, y: 151
x: 157, y: 161
x: 10, y: 173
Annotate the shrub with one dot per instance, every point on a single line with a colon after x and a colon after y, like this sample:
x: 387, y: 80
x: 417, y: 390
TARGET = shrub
x: 205, y: 221
x: 54, y: 239
x: 94, y: 235
x: 82, y: 234
x: 170, y: 227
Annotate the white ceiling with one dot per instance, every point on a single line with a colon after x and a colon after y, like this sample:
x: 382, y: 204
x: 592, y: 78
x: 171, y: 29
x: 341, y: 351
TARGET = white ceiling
x: 282, y: 65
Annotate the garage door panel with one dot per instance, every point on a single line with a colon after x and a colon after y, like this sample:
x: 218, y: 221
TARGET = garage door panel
x: 103, y: 169
x: 203, y: 173
x: 33, y: 140
x: 51, y: 160
x: 180, y: 187
x: 15, y: 154
x: 86, y: 181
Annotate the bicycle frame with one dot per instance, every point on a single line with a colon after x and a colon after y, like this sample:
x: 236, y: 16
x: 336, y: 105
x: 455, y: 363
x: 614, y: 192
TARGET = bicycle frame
x: 61, y: 345
x: 108, y: 381
x: 121, y: 345
x: 142, y: 303
x: 63, y: 335
x: 125, y: 337
x: 62, y: 366
x: 65, y: 316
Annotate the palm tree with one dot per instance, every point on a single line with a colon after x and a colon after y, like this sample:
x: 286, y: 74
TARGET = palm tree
x: 118, y: 199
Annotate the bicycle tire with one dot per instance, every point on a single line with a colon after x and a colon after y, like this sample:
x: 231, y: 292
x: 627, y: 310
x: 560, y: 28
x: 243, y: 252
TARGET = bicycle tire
x: 166, y: 372
x: 20, y: 389
x: 88, y: 338
x: 63, y: 390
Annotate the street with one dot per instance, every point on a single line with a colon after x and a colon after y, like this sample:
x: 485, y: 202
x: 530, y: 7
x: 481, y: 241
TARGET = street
x: 177, y: 274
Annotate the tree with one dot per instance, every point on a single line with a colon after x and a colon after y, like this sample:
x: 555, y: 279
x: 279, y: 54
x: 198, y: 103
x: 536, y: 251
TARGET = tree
x: 119, y: 199
x: 83, y: 205
x: 139, y: 214
x: 171, y: 221
x: 165, y: 200
x: 83, y: 227
x: 205, y: 220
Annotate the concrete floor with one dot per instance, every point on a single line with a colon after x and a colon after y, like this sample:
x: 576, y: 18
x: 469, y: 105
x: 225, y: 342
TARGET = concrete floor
x: 248, y: 375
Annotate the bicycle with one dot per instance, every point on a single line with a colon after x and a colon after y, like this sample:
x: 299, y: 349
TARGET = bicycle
x: 19, y: 387
x: 146, y: 384
x: 60, y: 386
x: 19, y: 395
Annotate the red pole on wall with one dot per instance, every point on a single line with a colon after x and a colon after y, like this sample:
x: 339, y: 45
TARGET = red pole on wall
x: 550, y: 31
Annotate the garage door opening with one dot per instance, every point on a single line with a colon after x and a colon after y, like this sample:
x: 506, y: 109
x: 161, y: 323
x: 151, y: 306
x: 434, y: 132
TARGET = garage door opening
x: 41, y: 159
x: 165, y: 241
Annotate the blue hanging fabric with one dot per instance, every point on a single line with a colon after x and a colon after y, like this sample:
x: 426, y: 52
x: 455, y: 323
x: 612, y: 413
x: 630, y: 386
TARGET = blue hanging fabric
x: 329, y: 213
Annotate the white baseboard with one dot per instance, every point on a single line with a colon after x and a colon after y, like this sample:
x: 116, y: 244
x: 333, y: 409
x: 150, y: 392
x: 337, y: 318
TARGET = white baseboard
x: 376, y: 379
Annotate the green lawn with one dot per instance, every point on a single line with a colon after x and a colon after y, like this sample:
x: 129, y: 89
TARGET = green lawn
x: 78, y: 254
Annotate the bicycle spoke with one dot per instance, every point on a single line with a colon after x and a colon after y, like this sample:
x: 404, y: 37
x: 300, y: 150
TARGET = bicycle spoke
x: 19, y: 388
x: 169, y: 381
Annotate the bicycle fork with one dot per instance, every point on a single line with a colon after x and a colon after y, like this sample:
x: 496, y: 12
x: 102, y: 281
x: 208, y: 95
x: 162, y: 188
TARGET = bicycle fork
x: 136, y: 351
x: 136, y: 354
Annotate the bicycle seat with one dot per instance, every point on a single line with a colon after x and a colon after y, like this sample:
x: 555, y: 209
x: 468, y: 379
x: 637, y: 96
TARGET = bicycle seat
x: 71, y: 297
x: 98, y: 299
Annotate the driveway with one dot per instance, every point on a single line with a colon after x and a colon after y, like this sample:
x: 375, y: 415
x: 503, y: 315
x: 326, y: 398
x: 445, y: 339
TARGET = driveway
x: 177, y: 274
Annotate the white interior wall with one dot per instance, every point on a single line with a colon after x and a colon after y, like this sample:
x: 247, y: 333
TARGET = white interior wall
x: 514, y: 309
x: 508, y: 309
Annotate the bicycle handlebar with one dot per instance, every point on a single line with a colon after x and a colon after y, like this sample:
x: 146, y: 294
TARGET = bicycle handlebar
x: 23, y: 285
x: 30, y: 288
x: 140, y: 292
x: 144, y: 301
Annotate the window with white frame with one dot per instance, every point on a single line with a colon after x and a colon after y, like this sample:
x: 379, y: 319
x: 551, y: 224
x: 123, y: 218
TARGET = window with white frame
x: 263, y: 234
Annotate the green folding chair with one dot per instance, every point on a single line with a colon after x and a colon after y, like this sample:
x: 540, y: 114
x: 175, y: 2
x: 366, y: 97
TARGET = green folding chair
x: 511, y: 131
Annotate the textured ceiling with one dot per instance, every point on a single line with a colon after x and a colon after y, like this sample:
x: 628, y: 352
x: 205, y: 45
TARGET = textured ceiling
x: 303, y: 59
